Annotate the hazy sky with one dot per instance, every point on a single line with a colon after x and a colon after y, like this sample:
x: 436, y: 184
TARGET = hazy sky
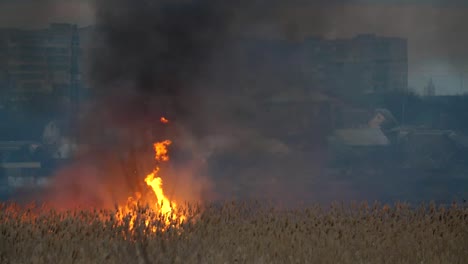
x: 435, y: 28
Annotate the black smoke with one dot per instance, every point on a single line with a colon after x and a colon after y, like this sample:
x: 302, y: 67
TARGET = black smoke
x: 178, y: 59
x: 185, y: 60
x: 191, y: 61
x: 157, y: 48
x: 148, y: 59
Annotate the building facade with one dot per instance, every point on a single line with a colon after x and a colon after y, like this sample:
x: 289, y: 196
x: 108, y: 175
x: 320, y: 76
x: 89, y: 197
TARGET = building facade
x: 360, y: 65
x: 364, y: 64
x: 40, y: 63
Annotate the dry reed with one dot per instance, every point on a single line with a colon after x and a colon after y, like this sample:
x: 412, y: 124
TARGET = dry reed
x: 239, y: 233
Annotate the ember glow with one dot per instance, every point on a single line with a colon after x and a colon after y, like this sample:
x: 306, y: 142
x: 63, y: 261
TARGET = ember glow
x: 163, y: 205
x: 160, y: 148
x: 164, y: 120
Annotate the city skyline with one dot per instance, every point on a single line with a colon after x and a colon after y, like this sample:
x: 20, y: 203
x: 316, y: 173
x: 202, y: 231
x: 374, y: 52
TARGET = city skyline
x: 436, y: 48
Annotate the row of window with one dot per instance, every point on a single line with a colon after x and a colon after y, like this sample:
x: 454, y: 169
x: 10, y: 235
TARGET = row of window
x: 38, y: 50
x: 41, y: 86
x: 27, y: 67
x: 39, y: 67
x: 59, y: 76
x: 39, y: 38
x: 41, y: 59
x: 29, y: 76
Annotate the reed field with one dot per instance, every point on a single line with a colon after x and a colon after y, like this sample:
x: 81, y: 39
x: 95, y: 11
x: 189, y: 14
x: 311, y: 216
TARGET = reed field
x: 238, y: 233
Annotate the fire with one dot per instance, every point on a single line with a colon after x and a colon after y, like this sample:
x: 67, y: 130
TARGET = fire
x: 155, y: 183
x: 164, y: 206
x: 164, y: 120
x: 160, y: 149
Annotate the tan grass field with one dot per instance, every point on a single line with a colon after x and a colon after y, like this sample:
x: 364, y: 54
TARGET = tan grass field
x: 239, y: 233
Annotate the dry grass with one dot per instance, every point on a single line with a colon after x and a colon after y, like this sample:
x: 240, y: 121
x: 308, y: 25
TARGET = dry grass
x: 240, y: 233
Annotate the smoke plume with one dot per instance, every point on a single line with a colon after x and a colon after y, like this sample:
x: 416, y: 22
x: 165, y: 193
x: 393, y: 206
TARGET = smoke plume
x: 148, y: 60
x: 183, y: 60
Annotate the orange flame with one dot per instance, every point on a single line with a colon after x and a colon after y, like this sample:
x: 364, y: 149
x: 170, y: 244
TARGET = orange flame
x: 164, y: 205
x: 160, y: 148
x: 164, y: 120
x: 155, y: 183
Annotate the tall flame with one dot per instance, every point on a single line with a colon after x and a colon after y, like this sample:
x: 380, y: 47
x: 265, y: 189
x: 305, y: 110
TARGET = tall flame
x: 156, y: 185
x: 164, y: 205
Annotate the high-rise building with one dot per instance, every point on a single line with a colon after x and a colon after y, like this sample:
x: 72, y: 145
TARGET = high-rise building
x: 363, y: 64
x: 355, y: 66
x: 40, y: 62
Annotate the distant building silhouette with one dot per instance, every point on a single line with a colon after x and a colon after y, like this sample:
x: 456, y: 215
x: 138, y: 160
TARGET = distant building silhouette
x: 44, y: 62
x: 363, y: 64
x: 356, y: 66
x: 430, y: 89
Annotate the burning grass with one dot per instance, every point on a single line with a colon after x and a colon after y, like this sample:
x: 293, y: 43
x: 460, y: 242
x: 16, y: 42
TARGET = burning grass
x: 238, y: 232
x: 164, y: 231
x: 164, y: 207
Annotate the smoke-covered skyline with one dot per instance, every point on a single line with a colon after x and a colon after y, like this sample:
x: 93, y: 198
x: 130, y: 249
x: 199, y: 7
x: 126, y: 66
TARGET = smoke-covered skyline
x: 178, y: 59
x: 434, y: 28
